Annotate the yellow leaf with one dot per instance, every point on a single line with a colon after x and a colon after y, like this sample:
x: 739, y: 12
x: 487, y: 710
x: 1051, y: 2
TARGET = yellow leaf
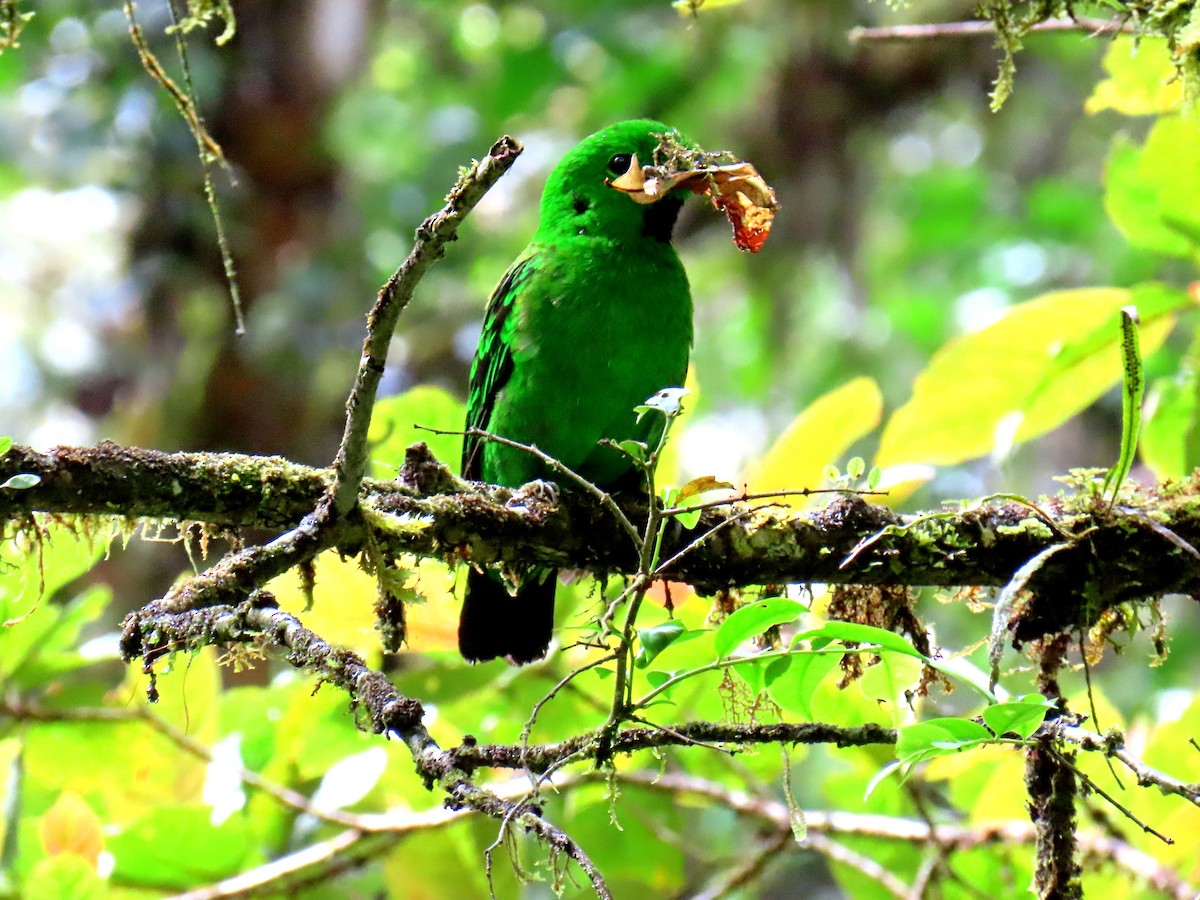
x: 901, y: 481
x: 693, y: 7
x: 1142, y: 79
x: 702, y: 485
x: 1042, y: 363
x: 70, y: 826
x: 343, y: 610
x: 816, y: 438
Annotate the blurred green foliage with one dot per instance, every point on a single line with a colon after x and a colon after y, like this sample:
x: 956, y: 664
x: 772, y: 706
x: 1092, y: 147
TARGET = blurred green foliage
x: 941, y: 289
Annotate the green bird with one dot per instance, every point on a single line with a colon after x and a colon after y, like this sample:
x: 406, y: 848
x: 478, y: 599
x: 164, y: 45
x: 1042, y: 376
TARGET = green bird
x: 593, y: 318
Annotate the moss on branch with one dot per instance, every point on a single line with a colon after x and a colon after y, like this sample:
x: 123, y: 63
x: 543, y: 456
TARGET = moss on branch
x: 1133, y: 551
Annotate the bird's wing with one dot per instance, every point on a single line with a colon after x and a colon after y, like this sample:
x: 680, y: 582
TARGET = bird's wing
x: 493, y: 362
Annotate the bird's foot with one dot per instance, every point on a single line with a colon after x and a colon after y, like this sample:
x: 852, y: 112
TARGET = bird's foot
x: 545, y: 492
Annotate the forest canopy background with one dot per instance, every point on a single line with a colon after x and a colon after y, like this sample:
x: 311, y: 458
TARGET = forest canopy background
x: 913, y: 217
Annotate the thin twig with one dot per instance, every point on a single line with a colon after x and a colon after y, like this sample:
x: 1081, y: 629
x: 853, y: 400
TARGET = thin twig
x: 983, y: 28
x: 203, y: 139
x: 1124, y: 810
x: 951, y: 835
x: 746, y: 497
x: 527, y: 730
x: 736, y: 517
x: 429, y: 245
x: 1112, y: 746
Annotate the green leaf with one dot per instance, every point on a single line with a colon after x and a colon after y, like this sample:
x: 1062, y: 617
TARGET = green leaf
x: 29, y: 572
x: 654, y: 679
x: 177, y: 846
x: 1170, y: 443
x: 1046, y: 360
x: 66, y: 876
x: 394, y: 426
x: 754, y: 675
x: 1152, y: 192
x: 861, y: 634
x: 792, y: 680
x: 887, y: 681
x: 22, y: 481
x: 753, y: 620
x: 939, y: 737
x: 5, y: 445
x: 655, y: 640
x: 1021, y: 717
x: 635, y: 449
x: 1142, y: 78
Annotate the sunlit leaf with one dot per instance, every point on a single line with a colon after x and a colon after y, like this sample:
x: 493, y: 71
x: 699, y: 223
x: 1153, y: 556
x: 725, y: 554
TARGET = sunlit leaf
x: 67, y: 877
x: 900, y: 481
x: 22, y: 481
x: 753, y: 620
x: 817, y: 437
x: 394, y: 427
x: 344, y: 604
x: 889, y: 679
x: 1142, y: 79
x: 71, y: 826
x: 1170, y: 443
x: 1046, y: 360
x: 791, y: 681
x: 692, y: 7
x: 1021, y: 717
x: 702, y: 485
x: 862, y: 634
x: 668, y: 401
x: 1152, y: 192
x: 938, y: 737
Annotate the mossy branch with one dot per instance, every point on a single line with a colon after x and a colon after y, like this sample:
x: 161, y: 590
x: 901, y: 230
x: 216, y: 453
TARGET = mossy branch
x: 1133, y: 551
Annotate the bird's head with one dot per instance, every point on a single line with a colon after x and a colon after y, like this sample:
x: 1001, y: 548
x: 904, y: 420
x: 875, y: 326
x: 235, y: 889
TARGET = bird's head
x: 580, y: 199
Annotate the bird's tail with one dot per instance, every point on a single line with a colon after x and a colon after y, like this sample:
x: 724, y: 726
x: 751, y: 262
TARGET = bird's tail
x: 493, y: 624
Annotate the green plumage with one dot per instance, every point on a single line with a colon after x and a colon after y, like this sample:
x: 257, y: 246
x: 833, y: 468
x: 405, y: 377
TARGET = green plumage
x: 592, y: 318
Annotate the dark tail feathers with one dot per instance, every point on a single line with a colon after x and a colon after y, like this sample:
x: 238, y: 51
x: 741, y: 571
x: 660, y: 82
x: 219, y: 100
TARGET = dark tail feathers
x: 493, y: 624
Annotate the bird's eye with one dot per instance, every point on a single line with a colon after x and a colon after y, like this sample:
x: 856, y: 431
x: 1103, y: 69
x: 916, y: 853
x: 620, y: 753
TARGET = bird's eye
x: 619, y: 164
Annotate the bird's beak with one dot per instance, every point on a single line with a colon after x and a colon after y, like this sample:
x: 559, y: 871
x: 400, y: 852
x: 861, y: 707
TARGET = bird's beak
x: 737, y: 190
x: 633, y: 182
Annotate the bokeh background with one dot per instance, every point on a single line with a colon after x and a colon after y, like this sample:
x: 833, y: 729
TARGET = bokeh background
x: 912, y: 214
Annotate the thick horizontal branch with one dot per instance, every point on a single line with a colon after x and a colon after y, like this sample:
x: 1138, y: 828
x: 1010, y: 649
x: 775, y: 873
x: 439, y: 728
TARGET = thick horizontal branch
x: 1137, y: 550
x: 543, y: 757
x: 108, y: 479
